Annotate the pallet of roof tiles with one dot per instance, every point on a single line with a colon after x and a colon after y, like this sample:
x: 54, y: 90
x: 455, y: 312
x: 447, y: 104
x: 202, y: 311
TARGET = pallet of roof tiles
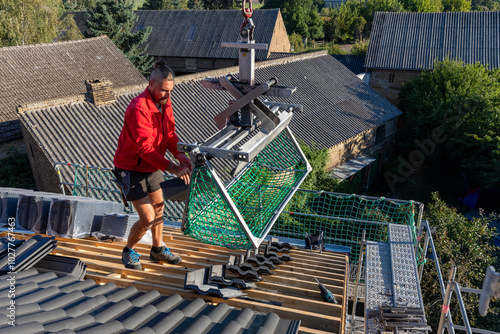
x: 27, y: 254
x: 8, y: 203
x: 62, y: 266
x: 198, y: 280
x: 217, y: 275
x: 46, y: 303
x: 78, y: 218
x: 245, y: 269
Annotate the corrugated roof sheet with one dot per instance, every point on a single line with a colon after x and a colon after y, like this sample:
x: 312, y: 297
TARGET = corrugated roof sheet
x: 353, y: 62
x: 50, y: 71
x: 199, y: 33
x: 413, y: 41
x: 337, y: 106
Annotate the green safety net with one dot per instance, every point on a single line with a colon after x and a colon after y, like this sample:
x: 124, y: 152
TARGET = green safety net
x: 342, y: 218
x: 259, y: 193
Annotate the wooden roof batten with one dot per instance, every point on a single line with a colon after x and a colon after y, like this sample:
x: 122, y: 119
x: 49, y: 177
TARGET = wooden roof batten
x: 293, y: 285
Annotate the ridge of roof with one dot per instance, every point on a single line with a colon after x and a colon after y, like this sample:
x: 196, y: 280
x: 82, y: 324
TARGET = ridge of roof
x: 74, y: 99
x: 201, y: 10
x: 50, y: 44
x: 261, y: 64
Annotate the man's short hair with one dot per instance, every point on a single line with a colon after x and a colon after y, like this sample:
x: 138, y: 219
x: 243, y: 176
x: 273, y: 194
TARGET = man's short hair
x: 161, y: 72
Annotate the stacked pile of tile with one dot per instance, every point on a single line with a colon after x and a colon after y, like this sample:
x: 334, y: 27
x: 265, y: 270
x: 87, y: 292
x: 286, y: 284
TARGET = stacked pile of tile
x: 8, y: 203
x: 62, y: 266
x: 45, y: 303
x: 118, y: 225
x: 54, y: 214
x: 17, y: 256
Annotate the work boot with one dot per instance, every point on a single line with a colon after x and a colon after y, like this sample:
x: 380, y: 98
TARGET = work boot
x: 131, y: 259
x: 164, y: 254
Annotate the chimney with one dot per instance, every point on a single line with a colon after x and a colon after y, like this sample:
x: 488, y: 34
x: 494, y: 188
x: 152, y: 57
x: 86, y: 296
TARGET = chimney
x: 100, y: 91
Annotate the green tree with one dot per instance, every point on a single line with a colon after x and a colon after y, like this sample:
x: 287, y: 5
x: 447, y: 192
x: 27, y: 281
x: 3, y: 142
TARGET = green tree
x: 486, y: 5
x: 15, y: 170
x: 456, y: 5
x: 29, y: 21
x: 345, y: 23
x: 165, y: 5
x: 116, y: 19
x: 462, y: 103
x: 196, y: 4
x: 296, y: 42
x: 360, y: 48
x: 300, y: 17
x: 68, y: 30
x: 423, y: 6
x: 78, y: 4
x: 371, y: 6
x: 466, y: 244
x: 221, y: 4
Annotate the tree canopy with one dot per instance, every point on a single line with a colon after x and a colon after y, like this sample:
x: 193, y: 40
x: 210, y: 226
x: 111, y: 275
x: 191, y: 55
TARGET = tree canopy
x: 221, y: 4
x: 300, y: 17
x: 466, y: 244
x: 116, y: 19
x: 29, y: 21
x: 462, y: 102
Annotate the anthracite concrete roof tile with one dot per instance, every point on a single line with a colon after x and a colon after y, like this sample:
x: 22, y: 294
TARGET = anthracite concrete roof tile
x: 87, y: 308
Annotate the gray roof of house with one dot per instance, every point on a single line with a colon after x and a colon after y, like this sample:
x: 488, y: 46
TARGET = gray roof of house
x: 413, y: 41
x: 353, y: 62
x: 337, y: 106
x: 42, y: 72
x: 45, y: 303
x: 199, y: 33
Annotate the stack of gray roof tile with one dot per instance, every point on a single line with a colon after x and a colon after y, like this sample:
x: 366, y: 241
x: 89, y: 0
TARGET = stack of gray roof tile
x: 118, y: 225
x: 45, y: 303
x: 8, y: 203
x: 21, y: 256
x: 199, y: 280
x: 62, y: 266
x: 78, y: 217
x: 54, y: 214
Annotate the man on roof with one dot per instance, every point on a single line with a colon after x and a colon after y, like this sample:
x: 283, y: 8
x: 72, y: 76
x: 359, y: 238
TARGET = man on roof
x: 148, y: 131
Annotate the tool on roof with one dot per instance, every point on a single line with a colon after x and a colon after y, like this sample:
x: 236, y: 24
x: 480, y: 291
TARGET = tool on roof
x: 254, y: 136
x: 326, y: 294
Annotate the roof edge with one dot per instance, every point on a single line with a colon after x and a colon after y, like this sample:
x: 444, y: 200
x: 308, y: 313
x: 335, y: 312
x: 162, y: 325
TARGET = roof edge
x: 75, y: 41
x: 261, y: 64
x: 75, y: 98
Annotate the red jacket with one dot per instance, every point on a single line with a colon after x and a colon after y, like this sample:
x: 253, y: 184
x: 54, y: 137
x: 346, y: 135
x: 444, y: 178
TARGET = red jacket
x: 146, y: 135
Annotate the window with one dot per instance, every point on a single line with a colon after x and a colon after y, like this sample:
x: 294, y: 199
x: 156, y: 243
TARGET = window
x: 391, y: 78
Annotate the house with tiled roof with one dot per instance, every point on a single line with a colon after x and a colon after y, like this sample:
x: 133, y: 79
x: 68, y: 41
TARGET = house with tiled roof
x: 190, y: 40
x: 52, y: 71
x: 340, y: 113
x: 403, y: 44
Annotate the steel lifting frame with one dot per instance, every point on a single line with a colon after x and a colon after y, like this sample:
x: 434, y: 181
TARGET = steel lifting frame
x: 238, y: 138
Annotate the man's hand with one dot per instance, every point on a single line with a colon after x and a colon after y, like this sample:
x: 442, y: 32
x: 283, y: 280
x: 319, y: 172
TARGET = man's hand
x: 184, y: 161
x: 183, y: 173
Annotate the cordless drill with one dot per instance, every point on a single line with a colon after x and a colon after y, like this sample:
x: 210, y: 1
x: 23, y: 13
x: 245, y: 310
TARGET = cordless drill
x: 326, y: 294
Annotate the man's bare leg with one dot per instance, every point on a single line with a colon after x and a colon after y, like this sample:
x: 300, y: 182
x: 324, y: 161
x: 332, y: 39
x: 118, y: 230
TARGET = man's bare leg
x: 158, y: 203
